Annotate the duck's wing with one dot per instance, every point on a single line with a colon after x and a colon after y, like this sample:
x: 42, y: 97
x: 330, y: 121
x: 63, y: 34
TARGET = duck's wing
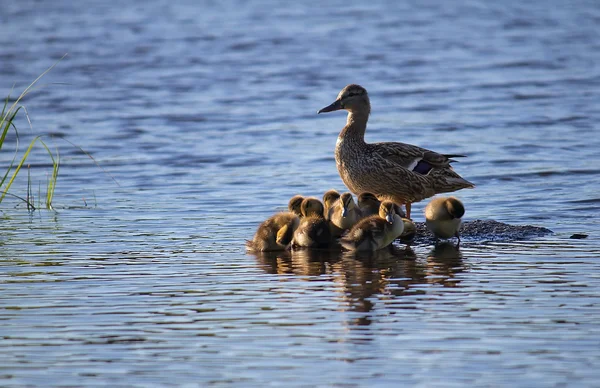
x: 413, y: 158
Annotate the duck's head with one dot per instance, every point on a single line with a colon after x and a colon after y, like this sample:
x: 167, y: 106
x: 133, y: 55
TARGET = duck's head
x: 352, y: 98
x: 454, y: 207
x: 312, y: 207
x: 330, y: 197
x: 347, y: 203
x: 387, y: 211
x: 294, y: 205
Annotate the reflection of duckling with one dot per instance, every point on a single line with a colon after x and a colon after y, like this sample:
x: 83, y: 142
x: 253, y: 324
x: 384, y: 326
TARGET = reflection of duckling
x: 329, y: 199
x: 294, y: 205
x: 344, y: 214
x: 375, y: 232
x: 275, y: 233
x: 442, y: 217
x: 313, y: 230
x: 369, y: 205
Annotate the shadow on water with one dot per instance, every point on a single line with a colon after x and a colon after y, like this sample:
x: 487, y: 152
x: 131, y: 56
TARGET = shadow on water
x: 364, y: 277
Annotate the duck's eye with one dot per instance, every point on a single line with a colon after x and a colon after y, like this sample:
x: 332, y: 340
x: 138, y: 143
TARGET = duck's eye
x: 353, y: 94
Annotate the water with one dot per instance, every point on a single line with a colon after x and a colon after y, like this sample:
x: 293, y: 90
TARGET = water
x: 205, y: 117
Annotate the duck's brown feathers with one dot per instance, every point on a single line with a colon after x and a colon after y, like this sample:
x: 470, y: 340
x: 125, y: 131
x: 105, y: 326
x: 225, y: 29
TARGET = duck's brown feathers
x: 399, y: 172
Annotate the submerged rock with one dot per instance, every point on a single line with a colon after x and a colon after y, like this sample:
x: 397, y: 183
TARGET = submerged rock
x: 486, y: 230
x: 579, y: 236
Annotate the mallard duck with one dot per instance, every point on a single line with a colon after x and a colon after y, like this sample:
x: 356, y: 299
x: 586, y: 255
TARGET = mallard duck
x: 329, y: 199
x: 313, y: 230
x: 375, y: 232
x: 369, y: 205
x: 274, y: 234
x: 294, y: 205
x: 399, y: 172
x: 443, y: 217
x: 344, y: 214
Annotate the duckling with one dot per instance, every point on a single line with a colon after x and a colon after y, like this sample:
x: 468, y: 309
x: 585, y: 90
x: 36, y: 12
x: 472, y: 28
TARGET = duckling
x: 329, y: 199
x: 375, y: 232
x: 369, y: 205
x: 409, y: 232
x: 294, y: 205
x: 443, y: 217
x: 313, y: 230
x: 400, y: 172
x: 344, y: 214
x: 274, y: 234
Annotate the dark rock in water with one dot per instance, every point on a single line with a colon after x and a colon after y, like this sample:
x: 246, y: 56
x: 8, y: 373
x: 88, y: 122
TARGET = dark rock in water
x: 579, y: 236
x: 486, y: 230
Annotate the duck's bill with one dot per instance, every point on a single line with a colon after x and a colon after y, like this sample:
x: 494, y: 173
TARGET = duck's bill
x: 337, y: 105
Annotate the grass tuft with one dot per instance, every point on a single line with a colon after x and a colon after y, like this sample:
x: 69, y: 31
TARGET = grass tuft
x: 7, y: 119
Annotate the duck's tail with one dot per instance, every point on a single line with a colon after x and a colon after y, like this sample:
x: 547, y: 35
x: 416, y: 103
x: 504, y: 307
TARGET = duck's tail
x: 446, y: 181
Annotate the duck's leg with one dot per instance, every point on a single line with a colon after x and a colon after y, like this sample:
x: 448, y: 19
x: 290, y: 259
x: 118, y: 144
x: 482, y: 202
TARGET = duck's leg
x: 408, y: 206
x: 458, y: 237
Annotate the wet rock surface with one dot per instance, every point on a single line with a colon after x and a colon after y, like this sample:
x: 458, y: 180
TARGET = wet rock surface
x: 486, y: 230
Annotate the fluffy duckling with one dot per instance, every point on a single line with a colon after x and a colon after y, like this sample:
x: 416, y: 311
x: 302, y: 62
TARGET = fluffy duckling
x: 443, y: 217
x: 409, y: 232
x: 294, y: 205
x: 313, y: 230
x: 344, y: 214
x: 369, y: 205
x: 375, y: 232
x: 274, y: 234
x: 329, y: 199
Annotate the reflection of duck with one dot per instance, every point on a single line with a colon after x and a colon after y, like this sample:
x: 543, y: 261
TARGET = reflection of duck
x: 313, y: 230
x: 443, y: 217
x: 375, y: 232
x: 399, y: 172
x: 275, y: 233
x: 275, y: 262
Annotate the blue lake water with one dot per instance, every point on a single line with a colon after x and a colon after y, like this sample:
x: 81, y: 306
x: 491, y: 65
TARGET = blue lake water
x: 205, y: 116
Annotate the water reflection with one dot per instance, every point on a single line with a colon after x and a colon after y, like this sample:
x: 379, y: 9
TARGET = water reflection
x: 364, y: 277
x: 443, y: 263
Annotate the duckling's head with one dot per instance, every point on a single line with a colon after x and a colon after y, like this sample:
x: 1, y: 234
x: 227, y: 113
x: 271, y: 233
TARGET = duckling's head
x: 454, y: 207
x: 410, y: 230
x: 352, y: 98
x: 347, y: 203
x: 367, y: 200
x: 294, y: 205
x: 330, y: 197
x: 387, y: 211
x: 312, y: 207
